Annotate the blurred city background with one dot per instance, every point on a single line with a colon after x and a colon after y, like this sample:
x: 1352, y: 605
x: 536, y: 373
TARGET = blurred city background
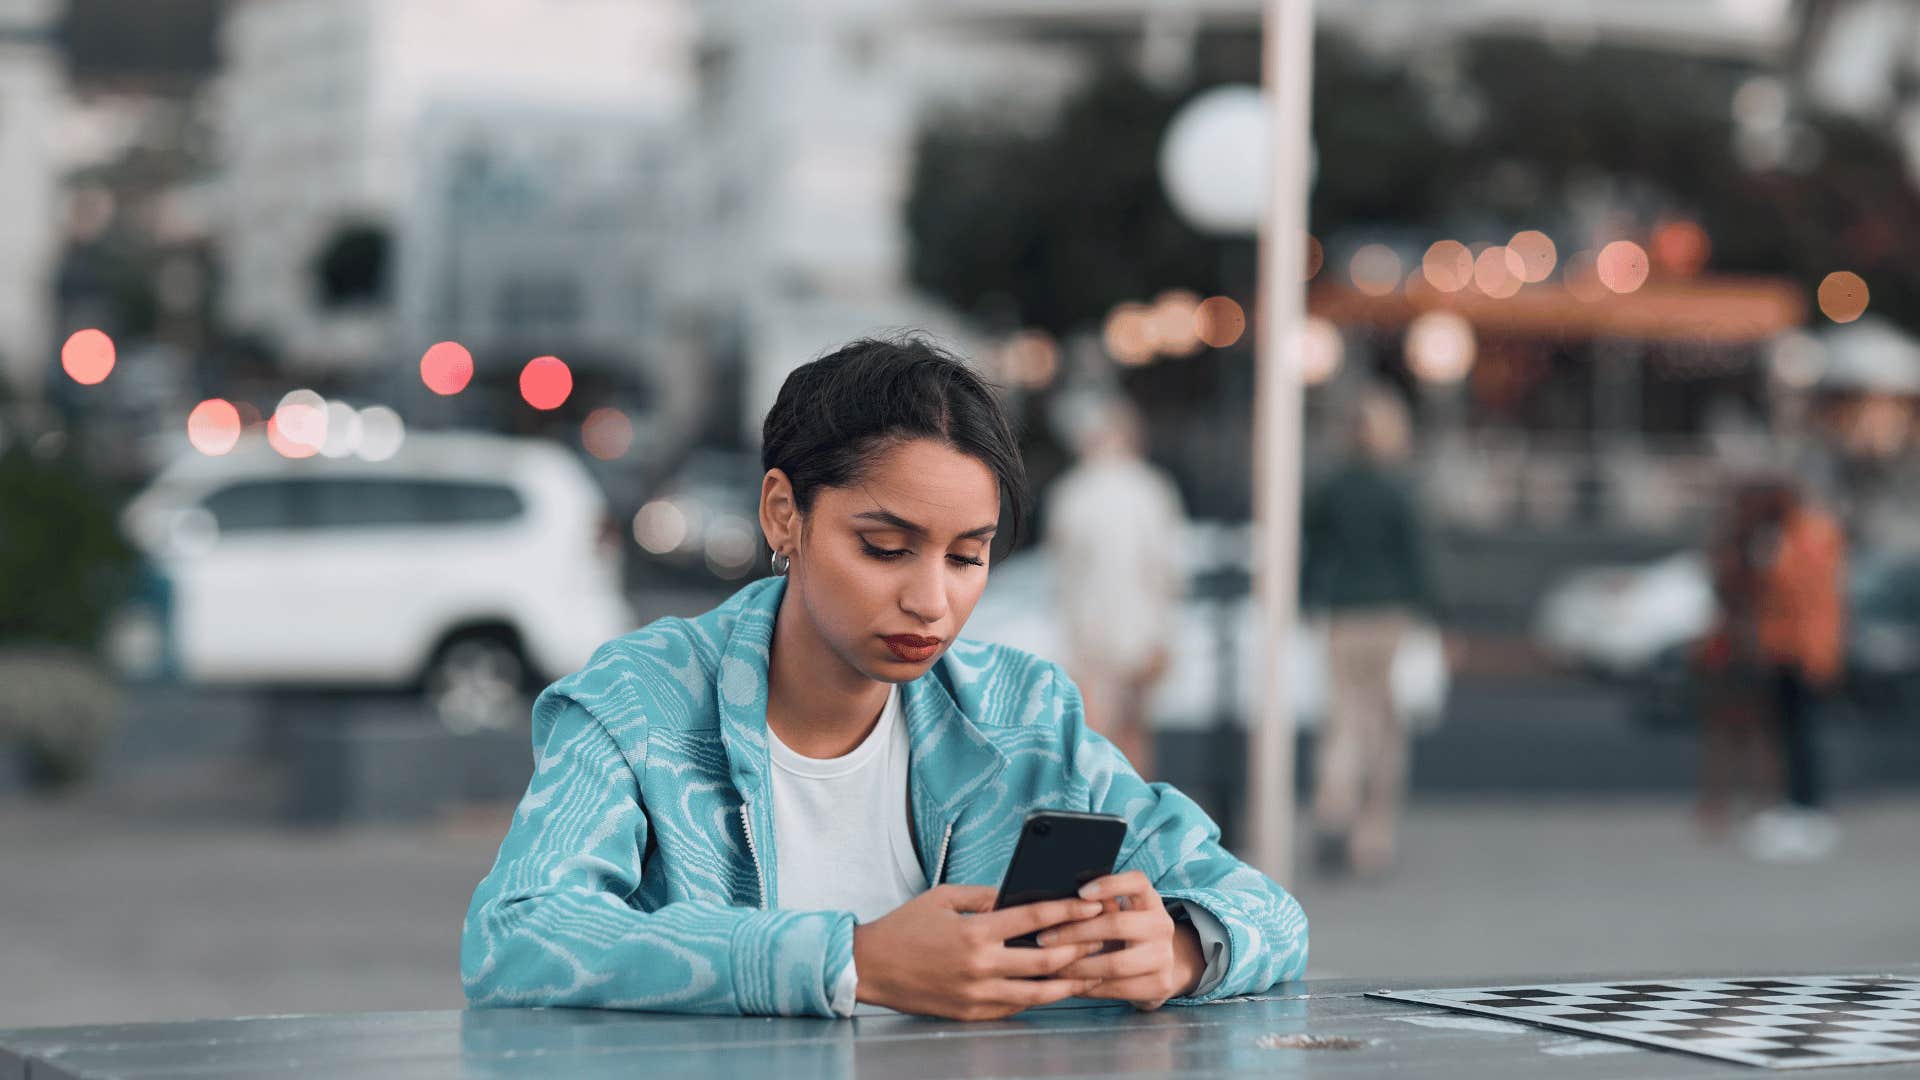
x: 364, y: 363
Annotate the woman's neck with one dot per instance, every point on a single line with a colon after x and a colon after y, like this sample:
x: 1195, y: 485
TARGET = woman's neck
x: 818, y: 705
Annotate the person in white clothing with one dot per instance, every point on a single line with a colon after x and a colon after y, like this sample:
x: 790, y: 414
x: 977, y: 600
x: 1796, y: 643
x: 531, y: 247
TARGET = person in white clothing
x: 1113, y: 528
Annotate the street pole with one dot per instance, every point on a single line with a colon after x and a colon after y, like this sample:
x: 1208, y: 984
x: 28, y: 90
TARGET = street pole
x: 1279, y: 317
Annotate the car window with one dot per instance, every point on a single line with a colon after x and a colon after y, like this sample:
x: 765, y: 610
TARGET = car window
x: 329, y: 503
x: 252, y: 505
x: 450, y: 503
x: 350, y: 504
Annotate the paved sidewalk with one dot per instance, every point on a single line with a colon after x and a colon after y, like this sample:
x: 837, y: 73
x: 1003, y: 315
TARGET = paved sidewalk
x: 167, y: 902
x: 1545, y: 884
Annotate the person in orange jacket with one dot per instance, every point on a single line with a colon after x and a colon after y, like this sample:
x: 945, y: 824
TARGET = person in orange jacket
x: 1800, y: 613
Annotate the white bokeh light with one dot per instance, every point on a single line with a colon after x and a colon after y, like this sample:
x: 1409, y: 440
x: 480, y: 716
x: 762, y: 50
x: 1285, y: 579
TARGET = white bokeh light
x: 343, y: 431
x: 301, y: 417
x: 381, y: 433
x: 1321, y: 350
x: 1213, y: 159
x: 659, y: 527
x: 1440, y: 347
x: 730, y: 546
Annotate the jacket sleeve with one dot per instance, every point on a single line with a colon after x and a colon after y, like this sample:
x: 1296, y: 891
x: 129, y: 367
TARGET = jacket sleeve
x: 556, y: 923
x: 1175, y: 843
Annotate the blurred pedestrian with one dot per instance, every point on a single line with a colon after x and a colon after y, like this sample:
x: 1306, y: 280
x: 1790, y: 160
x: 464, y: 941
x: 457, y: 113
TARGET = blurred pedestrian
x: 1366, y: 562
x: 1801, y: 615
x: 1739, y: 763
x: 1114, y: 526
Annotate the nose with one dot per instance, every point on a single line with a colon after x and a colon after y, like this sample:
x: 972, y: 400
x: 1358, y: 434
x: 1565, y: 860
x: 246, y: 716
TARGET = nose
x: 924, y: 595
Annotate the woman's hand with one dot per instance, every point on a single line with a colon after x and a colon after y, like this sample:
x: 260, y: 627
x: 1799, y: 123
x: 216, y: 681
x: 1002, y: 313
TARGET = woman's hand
x: 1151, y: 960
x: 933, y: 956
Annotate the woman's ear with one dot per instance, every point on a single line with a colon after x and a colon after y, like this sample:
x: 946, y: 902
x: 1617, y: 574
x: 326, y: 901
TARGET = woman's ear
x: 779, y: 514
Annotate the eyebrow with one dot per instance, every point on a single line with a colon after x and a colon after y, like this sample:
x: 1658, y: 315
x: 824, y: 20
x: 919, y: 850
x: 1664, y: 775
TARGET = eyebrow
x: 886, y: 517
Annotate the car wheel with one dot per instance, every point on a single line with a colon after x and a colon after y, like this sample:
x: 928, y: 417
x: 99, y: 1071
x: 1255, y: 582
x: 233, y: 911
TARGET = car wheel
x: 476, y: 683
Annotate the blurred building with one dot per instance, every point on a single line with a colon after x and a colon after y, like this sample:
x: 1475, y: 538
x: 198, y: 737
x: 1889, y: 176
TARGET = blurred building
x: 535, y: 226
x: 328, y: 119
x: 32, y: 97
x: 806, y: 119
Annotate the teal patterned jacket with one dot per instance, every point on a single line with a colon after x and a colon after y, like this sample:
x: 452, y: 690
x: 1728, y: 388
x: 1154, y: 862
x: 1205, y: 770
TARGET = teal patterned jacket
x: 638, y: 872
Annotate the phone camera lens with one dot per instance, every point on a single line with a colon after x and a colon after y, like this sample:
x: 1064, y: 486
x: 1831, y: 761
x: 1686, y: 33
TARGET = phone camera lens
x: 1041, y: 828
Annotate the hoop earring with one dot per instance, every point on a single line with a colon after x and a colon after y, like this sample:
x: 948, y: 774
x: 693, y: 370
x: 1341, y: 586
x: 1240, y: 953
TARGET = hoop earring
x: 780, y: 563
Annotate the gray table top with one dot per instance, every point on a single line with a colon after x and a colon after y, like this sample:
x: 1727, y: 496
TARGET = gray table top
x: 1229, y: 1037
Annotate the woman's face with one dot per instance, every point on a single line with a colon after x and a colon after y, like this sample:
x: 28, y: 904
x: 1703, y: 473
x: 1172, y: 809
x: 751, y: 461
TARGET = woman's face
x: 888, y: 569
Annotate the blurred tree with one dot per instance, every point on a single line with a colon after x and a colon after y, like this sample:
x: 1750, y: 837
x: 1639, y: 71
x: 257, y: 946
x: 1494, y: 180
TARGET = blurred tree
x: 1052, y: 229
x: 64, y: 566
x: 1499, y: 132
x: 1841, y: 198
x: 1478, y: 137
x: 64, y: 569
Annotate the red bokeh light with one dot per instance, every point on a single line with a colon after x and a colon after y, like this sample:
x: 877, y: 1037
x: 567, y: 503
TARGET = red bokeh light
x: 1680, y: 248
x: 88, y: 357
x: 545, y: 382
x: 446, y: 368
x: 213, y: 427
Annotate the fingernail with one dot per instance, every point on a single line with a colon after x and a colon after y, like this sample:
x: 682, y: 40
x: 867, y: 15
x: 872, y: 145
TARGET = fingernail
x: 1089, y: 890
x: 1045, y: 938
x: 1088, y: 911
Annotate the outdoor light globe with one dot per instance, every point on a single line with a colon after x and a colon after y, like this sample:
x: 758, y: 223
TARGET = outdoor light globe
x: 1440, y: 347
x: 1213, y: 159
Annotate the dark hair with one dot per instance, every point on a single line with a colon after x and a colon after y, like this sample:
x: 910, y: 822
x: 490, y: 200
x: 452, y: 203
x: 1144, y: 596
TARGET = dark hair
x: 834, y: 413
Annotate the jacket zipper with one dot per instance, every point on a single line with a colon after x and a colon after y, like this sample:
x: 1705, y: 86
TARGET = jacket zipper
x: 940, y: 868
x: 759, y: 876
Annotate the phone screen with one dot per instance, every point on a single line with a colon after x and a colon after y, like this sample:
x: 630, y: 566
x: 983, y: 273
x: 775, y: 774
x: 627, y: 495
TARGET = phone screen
x: 1059, y: 851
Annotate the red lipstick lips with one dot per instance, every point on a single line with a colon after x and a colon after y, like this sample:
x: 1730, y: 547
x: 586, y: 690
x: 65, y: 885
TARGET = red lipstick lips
x: 911, y: 647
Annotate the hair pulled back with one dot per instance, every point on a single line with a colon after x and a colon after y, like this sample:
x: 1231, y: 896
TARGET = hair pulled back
x: 835, y: 415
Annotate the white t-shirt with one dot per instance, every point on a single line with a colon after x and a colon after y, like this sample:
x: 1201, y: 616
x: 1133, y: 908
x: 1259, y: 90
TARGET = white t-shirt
x: 840, y: 827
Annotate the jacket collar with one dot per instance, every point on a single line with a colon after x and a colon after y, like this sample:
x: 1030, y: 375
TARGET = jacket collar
x: 949, y: 759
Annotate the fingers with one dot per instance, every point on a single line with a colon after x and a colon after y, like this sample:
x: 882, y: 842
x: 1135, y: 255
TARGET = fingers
x: 1141, y: 991
x: 1107, y: 967
x: 1112, y: 926
x: 1027, y: 993
x: 964, y: 897
x: 1025, y: 919
x: 1027, y: 963
x: 1132, y: 883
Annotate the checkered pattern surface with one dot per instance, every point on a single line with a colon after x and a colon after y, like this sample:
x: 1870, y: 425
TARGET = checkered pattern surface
x: 1784, y: 1023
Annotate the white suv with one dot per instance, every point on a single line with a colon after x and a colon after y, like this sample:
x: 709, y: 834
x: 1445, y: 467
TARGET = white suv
x: 473, y: 567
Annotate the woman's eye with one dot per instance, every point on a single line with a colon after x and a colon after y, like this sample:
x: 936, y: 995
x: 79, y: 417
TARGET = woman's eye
x: 895, y: 553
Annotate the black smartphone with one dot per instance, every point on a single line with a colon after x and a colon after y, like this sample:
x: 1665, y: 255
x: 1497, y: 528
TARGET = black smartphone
x: 1059, y: 851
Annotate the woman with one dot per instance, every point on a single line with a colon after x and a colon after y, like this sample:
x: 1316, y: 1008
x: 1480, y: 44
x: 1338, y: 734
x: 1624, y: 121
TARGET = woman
x: 801, y: 800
